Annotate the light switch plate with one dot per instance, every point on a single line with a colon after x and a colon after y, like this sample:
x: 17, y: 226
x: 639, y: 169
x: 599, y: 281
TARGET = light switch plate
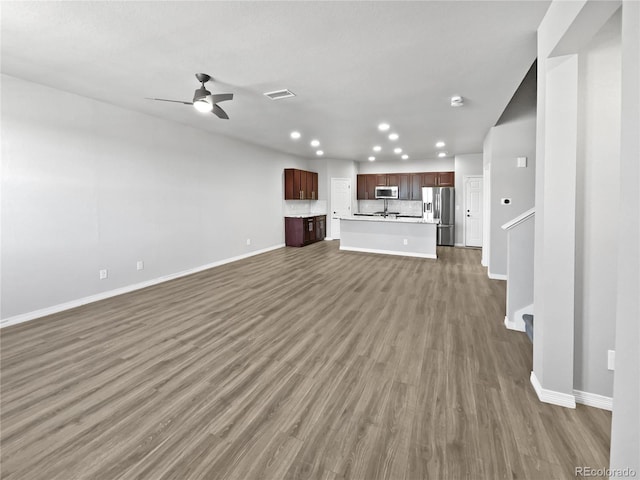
x: 522, y: 162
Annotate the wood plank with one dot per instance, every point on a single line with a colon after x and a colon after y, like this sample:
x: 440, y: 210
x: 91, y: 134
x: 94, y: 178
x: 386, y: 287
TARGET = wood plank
x: 379, y: 367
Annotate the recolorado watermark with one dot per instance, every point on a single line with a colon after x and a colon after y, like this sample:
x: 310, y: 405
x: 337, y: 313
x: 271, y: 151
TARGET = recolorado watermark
x: 604, y: 472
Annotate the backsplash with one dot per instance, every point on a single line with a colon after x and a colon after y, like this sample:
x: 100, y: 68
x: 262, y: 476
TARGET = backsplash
x: 404, y: 207
x: 293, y: 208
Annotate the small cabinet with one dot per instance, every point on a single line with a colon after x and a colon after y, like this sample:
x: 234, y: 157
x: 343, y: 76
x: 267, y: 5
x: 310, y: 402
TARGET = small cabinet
x: 300, y: 184
x: 402, y: 181
x: 367, y: 185
x: 430, y: 179
x: 309, y: 225
x: 416, y: 186
x: 321, y: 227
x: 301, y: 231
x: 446, y: 179
x: 439, y: 179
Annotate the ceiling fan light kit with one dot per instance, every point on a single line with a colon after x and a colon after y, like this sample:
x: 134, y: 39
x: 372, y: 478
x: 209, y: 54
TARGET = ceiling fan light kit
x: 203, y: 100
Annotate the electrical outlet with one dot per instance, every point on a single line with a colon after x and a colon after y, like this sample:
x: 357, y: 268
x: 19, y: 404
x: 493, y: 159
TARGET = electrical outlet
x: 248, y: 241
x: 611, y: 359
x: 405, y: 241
x: 139, y: 265
x: 103, y: 274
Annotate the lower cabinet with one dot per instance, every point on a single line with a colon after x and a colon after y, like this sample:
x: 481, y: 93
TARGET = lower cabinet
x: 302, y: 231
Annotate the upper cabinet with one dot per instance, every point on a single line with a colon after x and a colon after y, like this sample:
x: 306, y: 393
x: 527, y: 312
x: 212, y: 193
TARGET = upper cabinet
x: 446, y: 179
x: 409, y: 184
x: 438, y: 179
x: 416, y: 186
x: 402, y: 181
x: 367, y: 185
x: 300, y: 184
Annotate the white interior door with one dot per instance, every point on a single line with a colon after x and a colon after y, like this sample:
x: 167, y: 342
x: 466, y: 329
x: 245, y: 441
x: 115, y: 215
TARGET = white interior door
x: 340, y: 203
x: 473, y: 211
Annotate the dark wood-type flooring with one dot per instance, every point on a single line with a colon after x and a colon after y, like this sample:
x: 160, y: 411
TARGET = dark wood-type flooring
x: 294, y: 364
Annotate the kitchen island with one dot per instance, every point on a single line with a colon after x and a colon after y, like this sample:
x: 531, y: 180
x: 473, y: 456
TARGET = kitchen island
x: 411, y: 237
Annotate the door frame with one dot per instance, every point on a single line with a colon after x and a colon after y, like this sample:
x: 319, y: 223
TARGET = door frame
x: 465, y: 180
x: 330, y: 212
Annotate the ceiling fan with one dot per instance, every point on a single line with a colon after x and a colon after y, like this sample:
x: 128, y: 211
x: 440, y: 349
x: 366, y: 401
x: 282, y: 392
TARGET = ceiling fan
x: 203, y: 100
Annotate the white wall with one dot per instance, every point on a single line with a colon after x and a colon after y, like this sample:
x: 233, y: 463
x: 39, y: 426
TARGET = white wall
x: 577, y: 123
x: 446, y: 164
x: 625, y: 428
x: 487, y: 153
x: 89, y: 186
x: 597, y: 198
x: 470, y: 164
x: 513, y: 136
x: 520, y: 273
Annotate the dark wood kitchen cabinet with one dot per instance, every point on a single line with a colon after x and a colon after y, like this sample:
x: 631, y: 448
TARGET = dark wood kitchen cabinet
x: 301, y: 231
x: 438, y: 179
x: 409, y: 184
x: 446, y: 179
x: 402, y: 181
x: 300, y: 184
x: 416, y: 186
x: 367, y: 184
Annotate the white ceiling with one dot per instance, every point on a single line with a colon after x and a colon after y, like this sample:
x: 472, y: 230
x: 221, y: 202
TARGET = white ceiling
x: 351, y: 65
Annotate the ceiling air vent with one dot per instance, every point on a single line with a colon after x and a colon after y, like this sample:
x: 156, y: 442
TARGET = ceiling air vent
x: 280, y: 94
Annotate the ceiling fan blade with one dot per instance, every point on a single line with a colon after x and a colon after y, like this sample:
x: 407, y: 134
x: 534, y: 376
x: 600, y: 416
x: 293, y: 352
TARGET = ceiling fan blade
x: 173, y: 101
x: 220, y: 112
x: 221, y: 97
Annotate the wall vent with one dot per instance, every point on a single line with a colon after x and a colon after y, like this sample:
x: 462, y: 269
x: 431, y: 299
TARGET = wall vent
x: 280, y: 94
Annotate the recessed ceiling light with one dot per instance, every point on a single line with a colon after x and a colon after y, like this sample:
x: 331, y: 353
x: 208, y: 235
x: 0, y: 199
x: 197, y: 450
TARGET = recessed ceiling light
x: 371, y: 159
x: 405, y: 156
x: 440, y: 144
x: 383, y: 127
x: 457, y: 101
x: 377, y: 148
x: 393, y: 136
x: 295, y: 135
x: 397, y: 150
x: 319, y: 153
x: 315, y: 143
x: 442, y: 154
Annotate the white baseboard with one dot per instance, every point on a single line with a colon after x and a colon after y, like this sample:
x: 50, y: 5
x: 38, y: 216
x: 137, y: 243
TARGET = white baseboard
x: 25, y: 317
x: 517, y: 323
x: 328, y: 238
x: 389, y: 252
x: 496, y: 276
x: 513, y: 325
x: 459, y: 245
x: 550, y: 396
x: 593, y: 400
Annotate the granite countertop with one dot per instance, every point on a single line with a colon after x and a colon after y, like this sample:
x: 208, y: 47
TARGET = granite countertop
x: 379, y: 218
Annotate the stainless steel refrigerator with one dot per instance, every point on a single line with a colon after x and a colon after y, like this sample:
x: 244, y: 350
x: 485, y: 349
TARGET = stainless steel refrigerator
x: 438, y: 206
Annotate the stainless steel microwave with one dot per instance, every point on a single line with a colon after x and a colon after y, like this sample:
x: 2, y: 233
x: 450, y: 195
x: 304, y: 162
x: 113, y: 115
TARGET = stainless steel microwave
x: 387, y: 192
